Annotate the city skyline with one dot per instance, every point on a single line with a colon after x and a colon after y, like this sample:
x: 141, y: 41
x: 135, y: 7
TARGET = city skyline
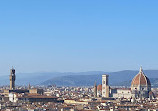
x: 78, y: 36
x: 78, y: 55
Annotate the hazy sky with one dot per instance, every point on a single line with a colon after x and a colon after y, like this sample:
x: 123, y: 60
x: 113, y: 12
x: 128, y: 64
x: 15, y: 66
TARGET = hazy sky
x: 78, y: 35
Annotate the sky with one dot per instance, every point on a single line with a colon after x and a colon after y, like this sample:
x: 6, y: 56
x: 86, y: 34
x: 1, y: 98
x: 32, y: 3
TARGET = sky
x: 78, y: 36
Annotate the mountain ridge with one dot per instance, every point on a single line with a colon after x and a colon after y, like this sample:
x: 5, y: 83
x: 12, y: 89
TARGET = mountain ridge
x: 114, y: 79
x: 76, y: 78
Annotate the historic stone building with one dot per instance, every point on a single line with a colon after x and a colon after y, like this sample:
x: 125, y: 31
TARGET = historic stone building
x: 105, y: 85
x: 140, y: 88
x: 13, y: 90
x: 12, y: 79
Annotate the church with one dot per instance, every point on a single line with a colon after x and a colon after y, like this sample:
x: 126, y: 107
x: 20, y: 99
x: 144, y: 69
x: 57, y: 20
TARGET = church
x: 140, y: 88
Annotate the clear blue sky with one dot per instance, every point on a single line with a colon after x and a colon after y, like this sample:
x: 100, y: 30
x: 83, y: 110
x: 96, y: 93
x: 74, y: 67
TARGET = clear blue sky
x: 83, y: 35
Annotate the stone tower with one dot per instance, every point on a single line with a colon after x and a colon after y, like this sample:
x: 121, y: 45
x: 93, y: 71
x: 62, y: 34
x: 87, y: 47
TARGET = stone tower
x: 105, y: 85
x: 95, y: 90
x: 12, y: 79
x: 29, y: 86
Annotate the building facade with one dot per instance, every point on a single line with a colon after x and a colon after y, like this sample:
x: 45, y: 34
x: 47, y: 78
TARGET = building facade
x: 140, y: 88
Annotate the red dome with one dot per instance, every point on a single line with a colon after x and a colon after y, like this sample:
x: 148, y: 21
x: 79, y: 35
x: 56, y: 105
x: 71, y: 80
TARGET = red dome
x: 140, y: 79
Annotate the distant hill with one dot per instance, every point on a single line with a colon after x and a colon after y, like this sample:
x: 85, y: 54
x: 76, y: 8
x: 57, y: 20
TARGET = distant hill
x: 38, y: 78
x: 119, y: 78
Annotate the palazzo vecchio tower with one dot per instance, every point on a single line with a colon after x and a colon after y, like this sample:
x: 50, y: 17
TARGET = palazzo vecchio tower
x: 12, y: 79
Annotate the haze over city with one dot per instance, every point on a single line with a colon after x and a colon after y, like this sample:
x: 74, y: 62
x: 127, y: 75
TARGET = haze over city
x: 77, y: 36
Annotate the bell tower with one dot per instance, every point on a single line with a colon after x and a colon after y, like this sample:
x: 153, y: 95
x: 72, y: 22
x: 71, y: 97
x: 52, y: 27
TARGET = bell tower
x: 105, y: 85
x: 12, y: 79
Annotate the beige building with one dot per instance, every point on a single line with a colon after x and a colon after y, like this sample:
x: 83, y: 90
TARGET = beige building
x: 36, y: 91
x: 27, y: 97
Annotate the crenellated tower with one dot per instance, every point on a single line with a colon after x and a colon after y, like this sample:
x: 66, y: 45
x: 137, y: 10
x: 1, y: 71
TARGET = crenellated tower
x: 12, y: 79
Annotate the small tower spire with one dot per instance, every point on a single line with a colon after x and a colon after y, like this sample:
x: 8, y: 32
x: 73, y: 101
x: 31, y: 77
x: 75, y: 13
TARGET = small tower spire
x: 95, y: 89
x: 29, y: 86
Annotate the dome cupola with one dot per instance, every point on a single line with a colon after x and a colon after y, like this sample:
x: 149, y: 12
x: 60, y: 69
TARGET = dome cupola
x: 140, y: 81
